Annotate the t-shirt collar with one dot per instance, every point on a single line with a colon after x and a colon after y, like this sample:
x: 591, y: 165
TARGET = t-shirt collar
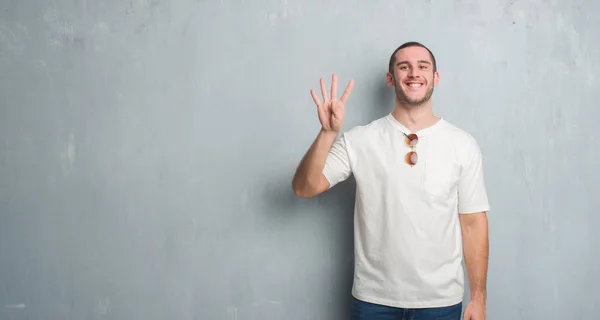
x: 421, y: 133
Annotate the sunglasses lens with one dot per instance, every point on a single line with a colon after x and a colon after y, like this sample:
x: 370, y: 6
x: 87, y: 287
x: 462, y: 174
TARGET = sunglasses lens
x: 412, y: 158
x: 412, y: 139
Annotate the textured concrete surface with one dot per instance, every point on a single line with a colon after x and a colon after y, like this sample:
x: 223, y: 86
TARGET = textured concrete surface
x: 147, y: 149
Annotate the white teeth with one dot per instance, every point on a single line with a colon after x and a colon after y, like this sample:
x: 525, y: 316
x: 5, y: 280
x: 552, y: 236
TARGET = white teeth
x: 415, y: 84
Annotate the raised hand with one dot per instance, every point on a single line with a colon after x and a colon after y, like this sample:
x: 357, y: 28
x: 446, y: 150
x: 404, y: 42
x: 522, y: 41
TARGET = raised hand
x: 331, y: 110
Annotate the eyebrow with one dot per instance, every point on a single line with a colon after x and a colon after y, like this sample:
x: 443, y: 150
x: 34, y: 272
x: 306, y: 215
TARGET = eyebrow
x: 419, y: 61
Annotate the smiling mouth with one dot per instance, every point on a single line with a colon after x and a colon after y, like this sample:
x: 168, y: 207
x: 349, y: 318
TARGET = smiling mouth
x: 414, y: 84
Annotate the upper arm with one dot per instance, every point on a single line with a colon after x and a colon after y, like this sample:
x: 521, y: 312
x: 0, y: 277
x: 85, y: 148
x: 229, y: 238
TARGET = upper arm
x: 471, y: 220
x: 337, y: 165
x: 336, y: 169
x: 323, y: 186
x: 472, y: 194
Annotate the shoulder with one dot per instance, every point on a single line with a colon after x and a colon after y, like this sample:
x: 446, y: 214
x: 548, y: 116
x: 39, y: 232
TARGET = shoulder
x: 463, y: 142
x: 365, y: 132
x: 454, y: 132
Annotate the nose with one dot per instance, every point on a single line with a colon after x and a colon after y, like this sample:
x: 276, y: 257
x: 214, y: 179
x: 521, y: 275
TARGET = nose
x: 412, y: 73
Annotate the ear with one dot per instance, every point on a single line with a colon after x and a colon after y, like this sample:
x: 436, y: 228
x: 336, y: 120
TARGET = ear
x: 389, y: 79
x: 436, y: 78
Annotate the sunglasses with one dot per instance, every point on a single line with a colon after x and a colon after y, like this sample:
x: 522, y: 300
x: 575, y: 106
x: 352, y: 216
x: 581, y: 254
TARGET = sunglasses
x: 411, y: 157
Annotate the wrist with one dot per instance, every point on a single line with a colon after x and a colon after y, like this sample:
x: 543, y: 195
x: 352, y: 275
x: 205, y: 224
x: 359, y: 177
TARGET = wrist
x: 478, y: 296
x: 329, y: 133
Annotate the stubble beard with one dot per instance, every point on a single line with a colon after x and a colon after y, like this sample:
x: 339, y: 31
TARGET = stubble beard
x: 406, y: 101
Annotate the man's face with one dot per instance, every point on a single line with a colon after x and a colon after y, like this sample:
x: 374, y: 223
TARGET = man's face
x: 413, y: 77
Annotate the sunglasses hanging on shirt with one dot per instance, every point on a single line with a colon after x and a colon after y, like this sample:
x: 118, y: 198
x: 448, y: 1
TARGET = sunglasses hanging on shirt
x: 411, y: 157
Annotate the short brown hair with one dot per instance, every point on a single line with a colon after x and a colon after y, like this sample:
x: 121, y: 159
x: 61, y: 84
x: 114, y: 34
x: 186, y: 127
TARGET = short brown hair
x: 406, y: 45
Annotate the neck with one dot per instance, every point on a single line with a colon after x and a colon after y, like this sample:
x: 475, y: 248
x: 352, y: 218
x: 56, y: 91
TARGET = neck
x: 415, y: 118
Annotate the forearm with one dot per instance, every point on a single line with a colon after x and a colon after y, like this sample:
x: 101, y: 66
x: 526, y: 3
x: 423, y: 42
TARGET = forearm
x: 476, y: 252
x: 309, y: 172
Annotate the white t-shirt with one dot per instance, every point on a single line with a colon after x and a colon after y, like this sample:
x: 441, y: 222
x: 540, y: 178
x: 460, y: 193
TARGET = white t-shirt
x: 407, y: 233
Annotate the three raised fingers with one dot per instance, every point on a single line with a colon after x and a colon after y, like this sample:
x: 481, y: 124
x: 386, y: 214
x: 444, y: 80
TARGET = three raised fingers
x: 334, y: 81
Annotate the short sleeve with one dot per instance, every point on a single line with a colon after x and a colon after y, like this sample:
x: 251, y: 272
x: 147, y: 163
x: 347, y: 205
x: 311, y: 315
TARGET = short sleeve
x: 337, y: 165
x: 472, y: 194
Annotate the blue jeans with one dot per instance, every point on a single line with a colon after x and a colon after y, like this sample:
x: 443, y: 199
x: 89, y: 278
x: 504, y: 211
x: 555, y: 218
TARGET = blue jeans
x: 362, y: 310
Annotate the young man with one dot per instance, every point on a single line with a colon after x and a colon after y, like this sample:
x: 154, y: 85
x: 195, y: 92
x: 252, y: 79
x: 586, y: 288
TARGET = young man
x: 421, y: 201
